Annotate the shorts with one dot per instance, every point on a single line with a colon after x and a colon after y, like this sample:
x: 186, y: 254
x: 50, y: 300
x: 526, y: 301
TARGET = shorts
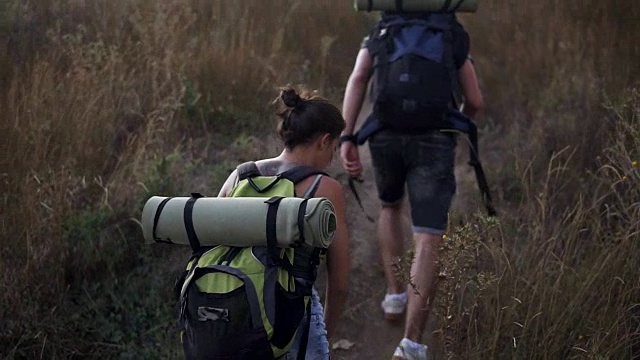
x: 317, y: 344
x: 425, y: 162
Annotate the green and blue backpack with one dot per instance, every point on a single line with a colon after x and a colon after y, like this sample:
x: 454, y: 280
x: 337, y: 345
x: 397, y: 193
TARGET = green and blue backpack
x: 249, y: 302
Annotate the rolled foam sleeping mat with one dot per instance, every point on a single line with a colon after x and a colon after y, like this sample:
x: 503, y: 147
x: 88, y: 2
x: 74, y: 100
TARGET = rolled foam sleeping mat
x: 416, y: 5
x: 240, y: 221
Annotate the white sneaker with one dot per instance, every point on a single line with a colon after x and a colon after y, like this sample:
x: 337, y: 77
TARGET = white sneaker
x: 409, y: 350
x: 394, y: 306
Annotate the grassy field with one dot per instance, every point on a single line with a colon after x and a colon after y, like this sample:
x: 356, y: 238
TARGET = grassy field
x: 107, y: 102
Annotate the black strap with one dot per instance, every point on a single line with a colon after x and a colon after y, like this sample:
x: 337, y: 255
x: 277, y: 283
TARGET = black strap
x: 446, y: 5
x: 311, y: 191
x: 188, y: 221
x: 352, y: 186
x: 302, y: 210
x: 474, y: 161
x: 457, y: 6
x: 299, y: 173
x: 349, y: 137
x: 460, y: 122
x: 231, y: 254
x: 384, y: 45
x: 305, y: 263
x: 450, y: 62
x: 272, y: 239
x: 247, y: 170
x: 157, y: 217
x: 302, y: 351
x: 264, y: 189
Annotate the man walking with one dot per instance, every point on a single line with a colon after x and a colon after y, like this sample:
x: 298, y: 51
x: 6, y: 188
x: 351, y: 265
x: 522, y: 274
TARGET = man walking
x: 409, y: 149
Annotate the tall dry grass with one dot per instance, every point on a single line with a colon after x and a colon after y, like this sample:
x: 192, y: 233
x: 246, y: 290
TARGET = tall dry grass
x: 104, y: 102
x: 557, y: 280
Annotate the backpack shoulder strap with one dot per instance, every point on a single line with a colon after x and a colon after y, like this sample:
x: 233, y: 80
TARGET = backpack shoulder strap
x: 460, y: 122
x: 313, y: 188
x: 299, y: 173
x: 247, y: 170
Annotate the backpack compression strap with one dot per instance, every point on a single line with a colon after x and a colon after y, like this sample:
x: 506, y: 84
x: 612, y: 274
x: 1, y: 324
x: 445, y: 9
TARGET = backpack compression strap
x: 156, y: 217
x: 460, y: 122
x: 296, y: 175
x: 188, y: 221
x: 352, y: 187
x: 382, y: 46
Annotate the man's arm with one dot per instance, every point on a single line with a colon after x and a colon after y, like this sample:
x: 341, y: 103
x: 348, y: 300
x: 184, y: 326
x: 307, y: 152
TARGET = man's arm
x: 353, y: 98
x: 470, y: 89
x: 356, y: 89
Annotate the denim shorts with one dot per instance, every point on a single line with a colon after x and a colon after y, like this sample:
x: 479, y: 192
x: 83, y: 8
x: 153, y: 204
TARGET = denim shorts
x: 317, y: 344
x: 425, y: 163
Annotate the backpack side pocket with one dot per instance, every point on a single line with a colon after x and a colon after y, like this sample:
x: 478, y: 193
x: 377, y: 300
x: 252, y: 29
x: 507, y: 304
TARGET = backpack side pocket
x: 289, y: 310
x: 225, y: 323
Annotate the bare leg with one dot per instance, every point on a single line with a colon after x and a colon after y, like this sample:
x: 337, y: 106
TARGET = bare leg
x: 424, y: 277
x: 390, y: 240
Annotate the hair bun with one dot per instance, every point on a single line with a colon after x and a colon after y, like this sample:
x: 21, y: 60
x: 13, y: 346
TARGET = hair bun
x: 290, y: 98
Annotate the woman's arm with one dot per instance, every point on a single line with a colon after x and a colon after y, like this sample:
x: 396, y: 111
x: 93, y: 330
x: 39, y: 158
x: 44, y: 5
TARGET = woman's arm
x: 337, y: 256
x: 228, y: 184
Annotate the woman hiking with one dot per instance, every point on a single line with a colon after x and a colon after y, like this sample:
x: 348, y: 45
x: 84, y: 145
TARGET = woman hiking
x: 309, y: 128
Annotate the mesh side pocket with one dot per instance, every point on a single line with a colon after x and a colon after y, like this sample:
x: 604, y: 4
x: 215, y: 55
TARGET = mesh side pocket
x: 219, y: 314
x: 219, y: 326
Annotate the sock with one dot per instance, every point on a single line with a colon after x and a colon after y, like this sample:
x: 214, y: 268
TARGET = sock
x: 402, y: 297
x: 414, y: 346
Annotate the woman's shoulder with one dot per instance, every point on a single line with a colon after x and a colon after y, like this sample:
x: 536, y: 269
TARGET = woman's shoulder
x: 329, y: 187
x: 272, y: 166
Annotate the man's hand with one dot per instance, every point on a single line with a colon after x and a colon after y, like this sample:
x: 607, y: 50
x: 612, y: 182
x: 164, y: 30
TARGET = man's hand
x: 351, y: 159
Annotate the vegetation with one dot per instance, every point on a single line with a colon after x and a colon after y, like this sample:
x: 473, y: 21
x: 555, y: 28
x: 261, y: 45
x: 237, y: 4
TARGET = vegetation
x: 106, y: 102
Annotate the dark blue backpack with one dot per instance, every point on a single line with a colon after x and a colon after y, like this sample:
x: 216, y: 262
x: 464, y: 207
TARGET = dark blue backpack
x: 415, y: 83
x: 414, y: 71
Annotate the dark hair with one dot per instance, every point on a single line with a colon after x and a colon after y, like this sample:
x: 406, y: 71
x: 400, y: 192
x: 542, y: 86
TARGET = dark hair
x: 304, y: 116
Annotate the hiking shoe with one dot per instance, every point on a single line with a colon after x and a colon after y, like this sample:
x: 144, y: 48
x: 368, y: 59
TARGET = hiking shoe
x: 409, y: 350
x: 394, y: 306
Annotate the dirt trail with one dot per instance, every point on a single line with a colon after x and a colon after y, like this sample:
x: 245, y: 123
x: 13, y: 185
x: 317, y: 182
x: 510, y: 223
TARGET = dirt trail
x: 373, y: 337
